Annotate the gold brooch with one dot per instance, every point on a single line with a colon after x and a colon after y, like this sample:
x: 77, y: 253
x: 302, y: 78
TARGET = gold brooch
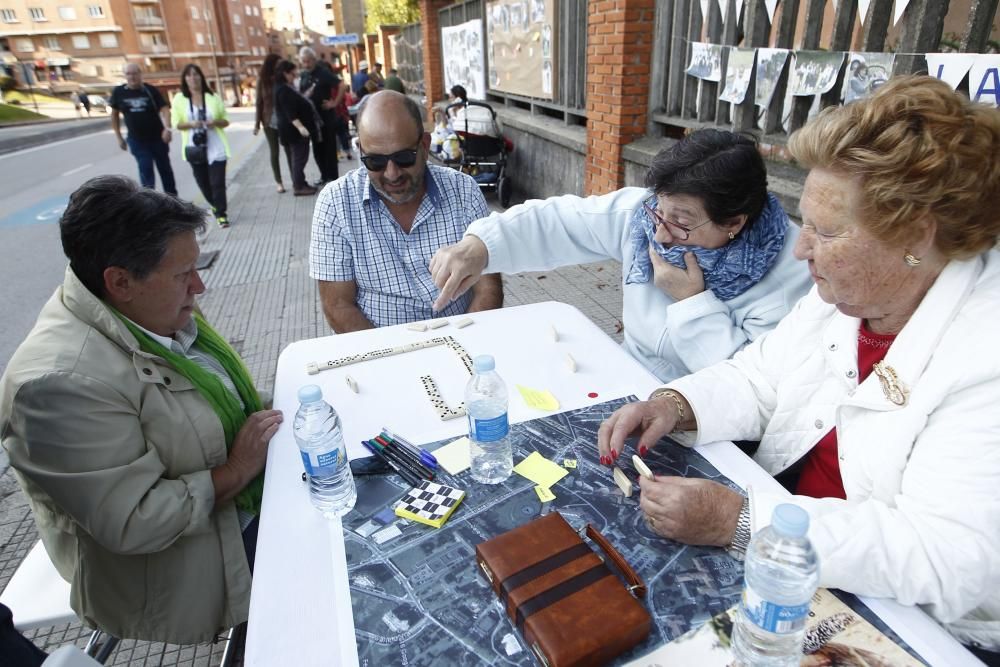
x: 891, y: 386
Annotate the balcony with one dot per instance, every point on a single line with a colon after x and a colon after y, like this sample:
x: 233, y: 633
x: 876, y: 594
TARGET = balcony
x: 156, y: 49
x: 144, y: 2
x: 148, y: 21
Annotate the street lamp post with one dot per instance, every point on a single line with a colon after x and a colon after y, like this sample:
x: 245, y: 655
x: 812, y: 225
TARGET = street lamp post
x: 211, y: 45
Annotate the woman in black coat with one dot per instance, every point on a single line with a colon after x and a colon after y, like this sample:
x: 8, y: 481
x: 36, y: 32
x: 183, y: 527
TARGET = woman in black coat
x: 297, y: 123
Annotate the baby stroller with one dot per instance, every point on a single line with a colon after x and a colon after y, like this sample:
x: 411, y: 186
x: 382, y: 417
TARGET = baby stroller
x: 484, y: 149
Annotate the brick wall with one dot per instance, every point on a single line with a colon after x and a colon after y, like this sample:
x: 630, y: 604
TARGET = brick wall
x: 619, y: 43
x: 385, y: 35
x: 431, y: 32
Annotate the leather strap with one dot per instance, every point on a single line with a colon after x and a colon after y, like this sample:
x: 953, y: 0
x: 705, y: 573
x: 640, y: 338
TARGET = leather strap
x: 553, y: 595
x: 636, y: 585
x: 542, y: 568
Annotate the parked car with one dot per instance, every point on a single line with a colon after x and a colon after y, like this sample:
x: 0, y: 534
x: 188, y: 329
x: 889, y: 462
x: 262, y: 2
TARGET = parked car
x: 99, y: 103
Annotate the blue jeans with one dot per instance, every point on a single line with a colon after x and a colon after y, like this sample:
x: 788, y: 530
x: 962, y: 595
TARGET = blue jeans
x: 150, y: 151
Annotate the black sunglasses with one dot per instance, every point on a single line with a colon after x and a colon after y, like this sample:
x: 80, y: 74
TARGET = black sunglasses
x: 403, y: 159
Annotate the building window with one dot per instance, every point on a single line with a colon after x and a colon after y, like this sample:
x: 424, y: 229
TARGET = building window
x: 199, y: 39
x: 37, y: 14
x: 95, y: 11
x: 237, y: 20
x: 51, y: 43
x: 25, y: 45
x: 256, y: 12
x: 67, y: 13
x: 239, y: 40
x: 249, y: 12
x: 8, y: 15
x: 81, y: 42
x: 109, y: 40
x: 194, y: 13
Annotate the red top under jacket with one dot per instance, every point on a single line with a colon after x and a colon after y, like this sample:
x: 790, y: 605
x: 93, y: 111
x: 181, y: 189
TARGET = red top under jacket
x: 820, y: 477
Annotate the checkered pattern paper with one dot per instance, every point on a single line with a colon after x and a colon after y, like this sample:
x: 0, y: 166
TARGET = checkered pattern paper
x: 430, y: 503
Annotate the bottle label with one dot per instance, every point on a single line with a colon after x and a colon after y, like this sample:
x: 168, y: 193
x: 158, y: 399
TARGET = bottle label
x: 489, y: 430
x: 775, y: 618
x: 322, y: 465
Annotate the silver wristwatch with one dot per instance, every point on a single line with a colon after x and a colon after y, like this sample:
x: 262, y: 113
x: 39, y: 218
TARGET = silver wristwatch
x: 741, y: 538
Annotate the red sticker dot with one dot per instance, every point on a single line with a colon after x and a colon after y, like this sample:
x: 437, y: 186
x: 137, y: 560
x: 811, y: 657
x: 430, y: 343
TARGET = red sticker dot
x: 592, y: 394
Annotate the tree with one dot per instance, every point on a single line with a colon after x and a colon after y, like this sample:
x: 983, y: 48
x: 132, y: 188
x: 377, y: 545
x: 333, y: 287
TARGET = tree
x: 390, y: 12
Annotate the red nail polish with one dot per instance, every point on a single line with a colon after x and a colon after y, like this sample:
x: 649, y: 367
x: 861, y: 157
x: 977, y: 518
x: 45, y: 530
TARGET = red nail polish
x: 643, y: 451
x: 614, y: 455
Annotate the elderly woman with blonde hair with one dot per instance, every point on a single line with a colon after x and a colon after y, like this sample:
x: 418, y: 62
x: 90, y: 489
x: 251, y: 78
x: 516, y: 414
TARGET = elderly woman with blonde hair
x: 879, y: 390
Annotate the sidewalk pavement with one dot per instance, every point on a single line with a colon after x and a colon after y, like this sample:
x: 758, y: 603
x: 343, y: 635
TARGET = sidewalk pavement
x: 261, y: 298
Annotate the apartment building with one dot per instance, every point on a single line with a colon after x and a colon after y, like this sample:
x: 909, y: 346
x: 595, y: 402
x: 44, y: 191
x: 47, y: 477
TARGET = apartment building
x: 292, y: 24
x: 68, y: 43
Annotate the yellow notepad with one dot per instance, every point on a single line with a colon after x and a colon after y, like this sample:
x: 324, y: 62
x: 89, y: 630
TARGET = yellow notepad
x: 430, y: 503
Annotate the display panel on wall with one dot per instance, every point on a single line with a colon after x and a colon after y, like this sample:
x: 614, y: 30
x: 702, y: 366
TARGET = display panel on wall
x: 462, y: 48
x: 520, y: 43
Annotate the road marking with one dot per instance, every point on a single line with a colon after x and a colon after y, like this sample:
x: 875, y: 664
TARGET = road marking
x: 80, y: 168
x: 6, y: 156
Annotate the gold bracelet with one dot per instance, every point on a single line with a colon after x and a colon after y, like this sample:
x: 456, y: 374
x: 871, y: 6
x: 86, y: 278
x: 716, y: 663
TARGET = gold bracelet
x: 676, y: 398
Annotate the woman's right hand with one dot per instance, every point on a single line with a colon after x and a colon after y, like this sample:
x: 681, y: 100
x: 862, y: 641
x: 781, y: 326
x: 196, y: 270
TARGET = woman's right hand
x: 647, y: 420
x: 303, y: 131
x: 249, y: 451
x: 457, y: 267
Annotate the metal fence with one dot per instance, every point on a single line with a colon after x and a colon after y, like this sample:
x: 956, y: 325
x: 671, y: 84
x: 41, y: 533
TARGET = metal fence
x: 408, y: 57
x: 570, y: 100
x: 678, y: 100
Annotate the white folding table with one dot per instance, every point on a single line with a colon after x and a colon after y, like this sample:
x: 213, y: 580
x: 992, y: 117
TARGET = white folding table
x: 300, y: 608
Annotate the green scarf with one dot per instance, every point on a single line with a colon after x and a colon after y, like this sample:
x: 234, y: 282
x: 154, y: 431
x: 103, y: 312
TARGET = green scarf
x: 225, y: 405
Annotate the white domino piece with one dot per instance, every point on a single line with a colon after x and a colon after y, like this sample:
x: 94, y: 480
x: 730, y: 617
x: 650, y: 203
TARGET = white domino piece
x: 352, y: 383
x: 623, y: 482
x: 553, y: 333
x: 461, y: 324
x: 641, y: 467
x: 416, y: 326
x: 570, y: 363
x: 436, y: 324
x: 312, y: 368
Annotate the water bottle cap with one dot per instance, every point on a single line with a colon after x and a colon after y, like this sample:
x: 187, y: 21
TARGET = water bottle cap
x: 310, y: 393
x: 790, y: 520
x: 483, y: 363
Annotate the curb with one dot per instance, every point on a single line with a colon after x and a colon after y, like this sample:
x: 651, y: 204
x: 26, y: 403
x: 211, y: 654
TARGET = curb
x: 20, y: 143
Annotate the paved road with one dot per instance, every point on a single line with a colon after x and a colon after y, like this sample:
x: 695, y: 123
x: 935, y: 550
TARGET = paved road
x: 34, y: 186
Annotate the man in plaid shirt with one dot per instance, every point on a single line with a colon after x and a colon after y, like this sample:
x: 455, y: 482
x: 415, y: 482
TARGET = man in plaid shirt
x: 375, y: 230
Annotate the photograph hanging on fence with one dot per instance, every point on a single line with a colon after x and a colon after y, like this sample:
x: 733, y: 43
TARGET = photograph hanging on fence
x: 738, y: 70
x: 865, y: 73
x: 815, y: 72
x: 462, y: 52
x: 770, y: 65
x: 706, y: 61
x: 523, y: 49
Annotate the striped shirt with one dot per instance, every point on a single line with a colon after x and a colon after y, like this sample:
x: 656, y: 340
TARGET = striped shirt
x: 355, y: 238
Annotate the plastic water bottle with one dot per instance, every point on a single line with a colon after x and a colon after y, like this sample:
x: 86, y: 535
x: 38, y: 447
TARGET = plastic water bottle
x: 321, y: 442
x: 486, y: 406
x: 781, y: 576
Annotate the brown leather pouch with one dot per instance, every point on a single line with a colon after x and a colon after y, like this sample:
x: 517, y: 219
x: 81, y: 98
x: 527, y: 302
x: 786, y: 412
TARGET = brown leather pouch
x: 568, y: 604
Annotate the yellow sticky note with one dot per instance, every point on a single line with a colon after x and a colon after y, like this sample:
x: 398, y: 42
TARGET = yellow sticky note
x: 540, y: 470
x: 569, y: 463
x: 455, y: 456
x: 544, y: 494
x: 539, y: 399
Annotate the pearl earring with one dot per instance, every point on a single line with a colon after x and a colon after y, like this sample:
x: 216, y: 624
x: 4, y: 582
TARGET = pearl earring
x: 911, y: 260
x: 731, y: 236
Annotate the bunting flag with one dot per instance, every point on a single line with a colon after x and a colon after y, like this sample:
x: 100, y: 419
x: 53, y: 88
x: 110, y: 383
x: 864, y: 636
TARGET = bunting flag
x: 738, y: 71
x: 949, y: 67
x: 984, y: 79
x: 900, y: 8
x: 704, y: 9
x: 723, y: 5
x: 835, y: 2
x: 739, y: 9
x: 771, y: 6
x: 770, y: 64
x: 863, y: 10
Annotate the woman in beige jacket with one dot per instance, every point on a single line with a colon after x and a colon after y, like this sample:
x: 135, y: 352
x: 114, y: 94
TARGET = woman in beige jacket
x: 134, y: 429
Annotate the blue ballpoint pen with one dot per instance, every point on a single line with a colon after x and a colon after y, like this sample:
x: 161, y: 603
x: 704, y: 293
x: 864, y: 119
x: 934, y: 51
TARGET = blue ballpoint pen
x: 424, y: 455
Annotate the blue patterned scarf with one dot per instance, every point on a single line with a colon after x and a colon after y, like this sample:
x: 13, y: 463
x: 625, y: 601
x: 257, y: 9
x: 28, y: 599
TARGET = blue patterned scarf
x: 730, y: 270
